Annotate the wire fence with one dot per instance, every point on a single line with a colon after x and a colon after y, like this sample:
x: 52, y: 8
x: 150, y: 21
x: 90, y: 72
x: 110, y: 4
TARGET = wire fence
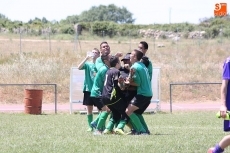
x: 175, y: 55
x: 24, y: 42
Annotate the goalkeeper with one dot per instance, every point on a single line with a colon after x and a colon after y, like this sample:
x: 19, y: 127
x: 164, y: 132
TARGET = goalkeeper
x: 112, y: 97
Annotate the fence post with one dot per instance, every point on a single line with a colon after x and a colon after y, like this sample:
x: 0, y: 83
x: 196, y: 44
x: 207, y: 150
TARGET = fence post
x: 153, y: 44
x: 130, y: 43
x: 49, y: 40
x: 20, y: 40
x: 76, y: 41
x: 170, y: 94
x: 103, y: 33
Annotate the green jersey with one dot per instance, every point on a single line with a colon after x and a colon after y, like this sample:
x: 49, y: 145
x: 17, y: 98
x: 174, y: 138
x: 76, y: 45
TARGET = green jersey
x: 99, y: 82
x: 90, y: 73
x: 142, y: 79
x: 99, y: 63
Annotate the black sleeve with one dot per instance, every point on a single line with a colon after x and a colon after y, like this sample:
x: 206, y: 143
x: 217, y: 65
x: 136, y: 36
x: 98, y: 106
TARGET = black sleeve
x: 108, y: 85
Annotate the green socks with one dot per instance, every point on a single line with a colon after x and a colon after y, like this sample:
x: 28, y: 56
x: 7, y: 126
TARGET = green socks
x: 137, y: 123
x: 90, y: 119
x: 142, y: 120
x: 121, y: 124
x: 110, y: 124
x: 131, y: 125
x: 97, y: 118
x: 102, y: 120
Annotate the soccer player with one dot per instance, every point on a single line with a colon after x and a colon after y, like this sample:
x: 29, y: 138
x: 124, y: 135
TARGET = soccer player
x: 143, y: 46
x: 105, y: 51
x: 96, y: 93
x: 90, y: 72
x: 140, y: 78
x: 130, y: 91
x: 225, y: 105
x: 112, y: 96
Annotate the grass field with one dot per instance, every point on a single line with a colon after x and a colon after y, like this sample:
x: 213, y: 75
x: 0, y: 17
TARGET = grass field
x: 180, y: 132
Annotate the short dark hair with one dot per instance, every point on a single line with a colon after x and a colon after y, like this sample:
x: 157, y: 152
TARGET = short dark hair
x: 113, y: 60
x: 145, y: 61
x: 103, y: 42
x: 139, y: 54
x: 145, y: 44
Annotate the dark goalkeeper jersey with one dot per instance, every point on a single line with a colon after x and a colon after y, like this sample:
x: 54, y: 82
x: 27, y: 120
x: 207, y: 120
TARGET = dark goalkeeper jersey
x: 111, y: 87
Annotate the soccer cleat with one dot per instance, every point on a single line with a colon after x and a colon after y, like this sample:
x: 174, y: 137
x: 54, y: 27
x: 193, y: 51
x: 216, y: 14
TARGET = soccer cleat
x: 119, y: 131
x: 143, y: 133
x: 97, y: 132
x: 147, y: 131
x: 210, y: 150
x: 106, y: 131
x: 94, y: 125
x: 132, y: 132
x: 90, y: 130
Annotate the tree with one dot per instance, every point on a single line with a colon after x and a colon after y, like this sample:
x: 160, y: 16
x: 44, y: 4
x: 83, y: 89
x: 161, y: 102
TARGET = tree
x: 2, y: 16
x: 4, y: 21
x: 44, y: 20
x: 70, y: 20
x: 30, y: 21
x: 37, y: 19
x: 107, y: 13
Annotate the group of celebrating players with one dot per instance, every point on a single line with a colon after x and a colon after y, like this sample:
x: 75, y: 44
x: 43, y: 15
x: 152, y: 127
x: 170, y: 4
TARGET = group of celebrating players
x: 123, y: 91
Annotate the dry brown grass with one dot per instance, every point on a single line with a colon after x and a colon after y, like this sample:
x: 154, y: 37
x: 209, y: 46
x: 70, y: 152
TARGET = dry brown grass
x: 185, y: 61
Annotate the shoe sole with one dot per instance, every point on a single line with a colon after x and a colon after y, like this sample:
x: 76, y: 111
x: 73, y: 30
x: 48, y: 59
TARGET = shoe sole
x: 94, y: 126
x: 119, y: 133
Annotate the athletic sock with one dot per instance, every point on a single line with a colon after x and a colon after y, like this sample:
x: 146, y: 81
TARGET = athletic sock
x: 110, y: 124
x: 90, y: 119
x: 131, y: 125
x: 142, y: 120
x: 101, y: 121
x: 218, y: 149
x: 121, y: 124
x: 136, y: 122
x: 97, y: 118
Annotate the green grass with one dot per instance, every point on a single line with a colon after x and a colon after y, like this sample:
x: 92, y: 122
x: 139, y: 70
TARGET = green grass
x: 180, y: 132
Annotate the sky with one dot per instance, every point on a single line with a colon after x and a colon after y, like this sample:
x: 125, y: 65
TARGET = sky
x: 144, y: 11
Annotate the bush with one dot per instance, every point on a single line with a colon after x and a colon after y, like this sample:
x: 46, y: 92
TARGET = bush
x: 67, y: 29
x: 128, y: 30
x: 226, y: 32
x: 186, y: 34
x: 163, y: 36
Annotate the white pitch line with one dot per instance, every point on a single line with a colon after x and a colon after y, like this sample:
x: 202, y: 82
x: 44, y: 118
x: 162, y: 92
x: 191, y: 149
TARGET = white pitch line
x: 195, y: 107
x: 171, y: 127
